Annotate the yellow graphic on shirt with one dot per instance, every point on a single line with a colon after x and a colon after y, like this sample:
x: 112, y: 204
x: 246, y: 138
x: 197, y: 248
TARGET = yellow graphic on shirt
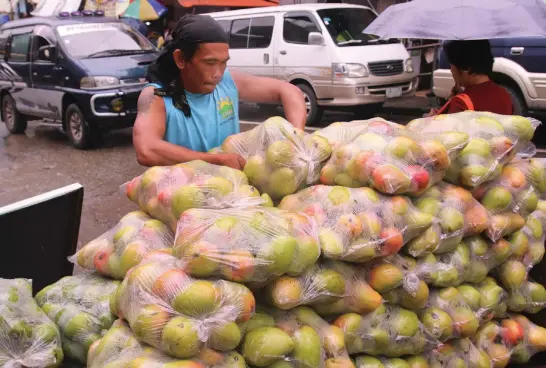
x: 225, y: 108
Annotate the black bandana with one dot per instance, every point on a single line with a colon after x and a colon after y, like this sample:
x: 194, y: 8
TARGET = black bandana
x: 194, y: 29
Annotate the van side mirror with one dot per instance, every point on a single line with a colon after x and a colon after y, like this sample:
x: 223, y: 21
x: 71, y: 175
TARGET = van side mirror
x: 47, y: 53
x: 315, y: 38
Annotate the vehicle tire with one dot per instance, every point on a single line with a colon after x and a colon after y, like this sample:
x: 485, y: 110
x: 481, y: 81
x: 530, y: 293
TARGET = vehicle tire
x: 367, y: 111
x: 518, y: 103
x: 15, y: 121
x: 314, y: 111
x: 80, y: 133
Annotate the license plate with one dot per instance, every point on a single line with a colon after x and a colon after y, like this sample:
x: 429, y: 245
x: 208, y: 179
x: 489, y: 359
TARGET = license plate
x: 393, y: 92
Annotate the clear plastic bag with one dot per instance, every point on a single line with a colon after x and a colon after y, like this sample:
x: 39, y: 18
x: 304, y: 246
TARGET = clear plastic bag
x: 471, y: 261
x: 164, y: 192
x: 27, y: 337
x: 178, y: 314
x: 391, y: 159
x: 358, y: 225
x: 494, y: 140
x: 113, y: 253
x: 529, y: 297
x: 512, y: 196
x: 340, y: 133
x: 532, y: 342
x: 498, y: 339
x: 246, y: 245
x: 80, y: 307
x: 120, y: 348
x: 487, y: 299
x: 298, y: 338
x: 459, y: 353
x: 389, y: 330
x: 280, y: 159
x: 331, y: 287
x: 459, y: 215
x: 448, y: 316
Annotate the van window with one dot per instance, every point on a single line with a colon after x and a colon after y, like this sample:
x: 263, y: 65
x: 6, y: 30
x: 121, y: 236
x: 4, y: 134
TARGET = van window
x: 296, y: 29
x: 345, y: 25
x: 252, y: 33
x: 19, y: 47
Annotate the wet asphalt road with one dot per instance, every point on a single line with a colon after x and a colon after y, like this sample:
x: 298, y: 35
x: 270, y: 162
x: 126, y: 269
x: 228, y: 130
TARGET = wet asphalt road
x: 43, y: 160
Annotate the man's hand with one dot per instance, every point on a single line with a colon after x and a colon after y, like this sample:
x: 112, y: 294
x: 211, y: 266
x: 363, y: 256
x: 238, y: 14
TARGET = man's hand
x: 232, y: 160
x: 432, y: 112
x: 268, y: 90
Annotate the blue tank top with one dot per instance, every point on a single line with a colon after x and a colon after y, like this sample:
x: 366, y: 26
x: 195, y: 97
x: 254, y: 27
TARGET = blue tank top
x: 214, y: 117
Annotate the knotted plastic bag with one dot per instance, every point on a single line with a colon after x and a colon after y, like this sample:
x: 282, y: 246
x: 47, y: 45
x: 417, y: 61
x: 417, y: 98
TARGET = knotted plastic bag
x: 280, y: 159
x: 27, y: 337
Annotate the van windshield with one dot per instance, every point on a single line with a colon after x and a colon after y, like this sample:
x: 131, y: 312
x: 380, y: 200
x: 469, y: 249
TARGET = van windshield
x: 90, y: 40
x: 345, y: 26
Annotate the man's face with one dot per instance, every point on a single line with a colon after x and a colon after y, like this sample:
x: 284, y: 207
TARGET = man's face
x: 204, y: 71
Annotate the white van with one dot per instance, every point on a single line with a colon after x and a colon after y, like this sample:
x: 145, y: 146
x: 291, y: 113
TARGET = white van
x: 321, y: 49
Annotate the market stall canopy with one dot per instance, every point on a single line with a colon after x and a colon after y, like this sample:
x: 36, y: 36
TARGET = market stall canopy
x: 228, y: 3
x: 461, y: 20
x: 145, y: 10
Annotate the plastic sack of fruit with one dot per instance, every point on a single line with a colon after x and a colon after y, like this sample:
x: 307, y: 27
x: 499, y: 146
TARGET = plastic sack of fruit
x: 493, y: 141
x: 459, y: 353
x: 359, y: 224
x: 251, y: 244
x: 27, y: 337
x: 280, y: 159
x: 486, y: 298
x: 178, y: 314
x: 389, y: 158
x: 368, y: 361
x: 389, y: 330
x: 530, y: 338
x: 80, y: 307
x: 298, y: 338
x: 164, y: 192
x: 512, y: 196
x: 113, y: 253
x: 120, y: 348
x: 459, y: 215
x: 340, y: 133
x: 448, y: 316
x: 498, y: 339
x: 331, y: 287
x: 529, y: 297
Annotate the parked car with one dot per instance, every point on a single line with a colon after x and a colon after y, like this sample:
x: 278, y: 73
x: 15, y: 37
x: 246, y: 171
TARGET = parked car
x: 82, y: 72
x: 520, y: 67
x: 321, y: 49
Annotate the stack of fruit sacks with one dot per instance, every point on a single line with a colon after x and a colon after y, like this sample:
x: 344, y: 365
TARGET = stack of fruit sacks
x: 512, y: 196
x: 459, y: 215
x: 471, y: 261
x: 120, y: 348
x: 358, y: 225
x: 330, y: 287
x: 113, y: 253
x: 179, y: 315
x: 253, y: 244
x: 298, y: 338
x: 389, y: 331
x: 164, y: 192
x: 391, y: 159
x: 280, y: 159
x: 494, y: 140
x: 368, y: 361
x: 459, y: 353
x: 80, y: 306
x: 27, y: 337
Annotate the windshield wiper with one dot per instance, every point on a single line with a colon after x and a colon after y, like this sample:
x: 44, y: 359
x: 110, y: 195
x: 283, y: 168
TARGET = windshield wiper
x: 116, y: 52
x: 349, y: 42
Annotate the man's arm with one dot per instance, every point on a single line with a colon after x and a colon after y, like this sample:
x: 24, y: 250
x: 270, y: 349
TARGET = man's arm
x: 268, y: 90
x: 152, y: 150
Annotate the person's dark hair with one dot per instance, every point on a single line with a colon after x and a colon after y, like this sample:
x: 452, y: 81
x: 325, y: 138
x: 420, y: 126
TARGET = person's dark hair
x: 473, y: 56
x: 189, y: 33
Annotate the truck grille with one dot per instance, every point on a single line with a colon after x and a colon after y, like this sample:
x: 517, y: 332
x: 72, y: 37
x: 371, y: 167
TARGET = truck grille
x: 386, y: 68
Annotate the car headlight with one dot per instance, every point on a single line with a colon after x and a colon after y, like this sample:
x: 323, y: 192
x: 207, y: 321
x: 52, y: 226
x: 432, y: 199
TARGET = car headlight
x: 99, y: 82
x: 408, y: 66
x: 347, y: 70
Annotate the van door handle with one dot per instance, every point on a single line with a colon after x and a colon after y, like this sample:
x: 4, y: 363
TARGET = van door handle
x: 266, y: 58
x: 283, y: 52
x: 517, y: 50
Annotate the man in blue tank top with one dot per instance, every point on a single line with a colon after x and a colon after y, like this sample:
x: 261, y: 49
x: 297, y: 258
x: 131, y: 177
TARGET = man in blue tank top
x: 192, y: 102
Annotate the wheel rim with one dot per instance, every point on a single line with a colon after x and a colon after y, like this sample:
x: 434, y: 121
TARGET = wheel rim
x: 76, y: 129
x: 307, y: 102
x: 9, y: 116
